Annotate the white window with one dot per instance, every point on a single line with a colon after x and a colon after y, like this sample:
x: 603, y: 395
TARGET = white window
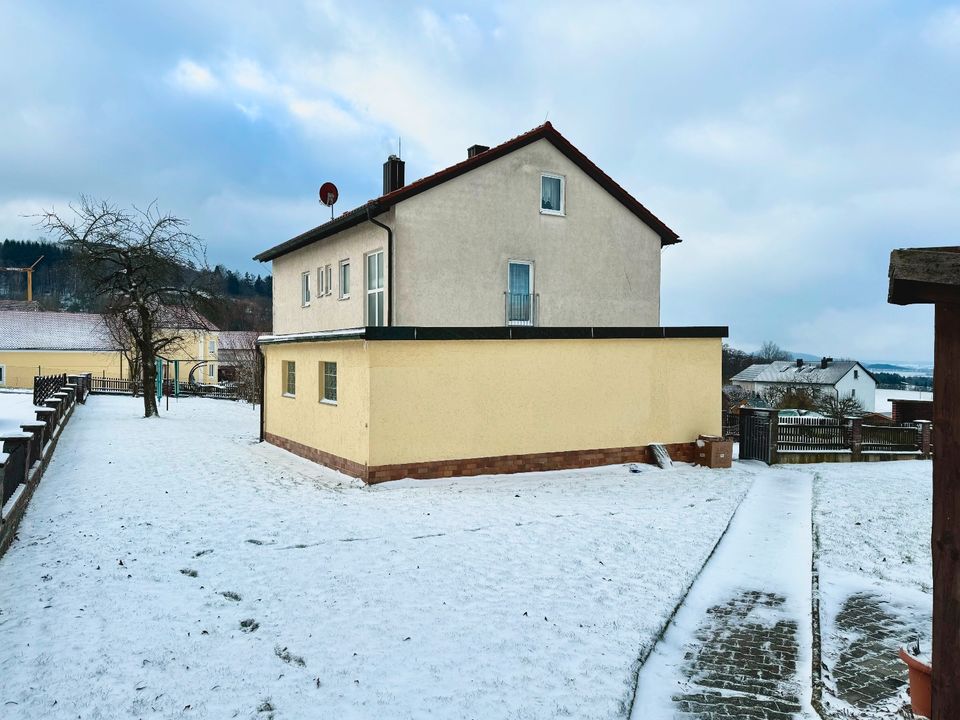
x: 329, y: 281
x: 212, y: 346
x: 304, y: 289
x: 320, y: 281
x: 552, y: 194
x: 289, y: 378
x: 3, y: 374
x: 375, y: 293
x: 328, y: 392
x: 210, y: 370
x: 344, y: 279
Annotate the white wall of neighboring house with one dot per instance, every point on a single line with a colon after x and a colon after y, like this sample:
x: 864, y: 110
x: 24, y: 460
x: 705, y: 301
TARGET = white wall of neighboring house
x: 857, y: 382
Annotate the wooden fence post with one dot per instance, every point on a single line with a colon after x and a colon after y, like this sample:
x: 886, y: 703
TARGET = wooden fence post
x: 926, y: 436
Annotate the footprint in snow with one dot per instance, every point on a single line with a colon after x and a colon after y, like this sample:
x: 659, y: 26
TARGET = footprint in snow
x: 188, y: 572
x: 249, y: 625
x: 230, y: 595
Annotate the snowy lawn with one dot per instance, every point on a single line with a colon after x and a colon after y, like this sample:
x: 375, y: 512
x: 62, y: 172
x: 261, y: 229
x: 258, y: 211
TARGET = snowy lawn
x: 875, y: 566
x: 15, y: 408
x: 874, y: 519
x: 176, y: 567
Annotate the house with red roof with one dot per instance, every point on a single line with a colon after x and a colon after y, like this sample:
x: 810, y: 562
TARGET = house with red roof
x: 500, y: 314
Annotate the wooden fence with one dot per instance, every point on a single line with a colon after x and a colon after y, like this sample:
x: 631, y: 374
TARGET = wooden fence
x: 813, y: 434
x: 123, y: 386
x: 46, y: 385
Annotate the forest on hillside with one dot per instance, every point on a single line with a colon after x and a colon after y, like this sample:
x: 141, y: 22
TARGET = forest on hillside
x: 243, y: 302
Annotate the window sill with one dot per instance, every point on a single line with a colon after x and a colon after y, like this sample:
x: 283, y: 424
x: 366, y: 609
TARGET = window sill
x: 328, y: 402
x: 288, y: 395
x: 305, y: 305
x: 343, y: 297
x: 558, y: 213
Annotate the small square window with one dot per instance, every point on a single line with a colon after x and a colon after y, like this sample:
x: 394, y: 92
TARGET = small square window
x: 329, y: 371
x: 551, y: 194
x: 304, y: 289
x: 344, y: 279
x: 289, y: 378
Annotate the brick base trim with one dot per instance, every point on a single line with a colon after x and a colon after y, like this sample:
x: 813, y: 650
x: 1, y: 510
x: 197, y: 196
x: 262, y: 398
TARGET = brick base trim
x: 349, y: 467
x: 497, y: 465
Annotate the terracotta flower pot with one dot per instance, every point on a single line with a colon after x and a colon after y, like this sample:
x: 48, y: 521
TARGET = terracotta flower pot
x: 920, y: 685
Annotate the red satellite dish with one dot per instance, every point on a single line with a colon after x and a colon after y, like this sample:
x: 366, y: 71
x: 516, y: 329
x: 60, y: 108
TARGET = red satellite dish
x: 328, y: 194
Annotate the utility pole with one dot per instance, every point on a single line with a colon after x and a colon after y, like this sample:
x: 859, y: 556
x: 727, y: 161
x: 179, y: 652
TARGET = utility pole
x: 29, y: 272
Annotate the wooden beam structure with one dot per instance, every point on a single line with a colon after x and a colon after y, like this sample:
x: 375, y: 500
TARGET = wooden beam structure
x: 932, y: 275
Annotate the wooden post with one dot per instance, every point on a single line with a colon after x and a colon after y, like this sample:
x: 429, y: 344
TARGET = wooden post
x: 946, y: 514
x: 932, y: 276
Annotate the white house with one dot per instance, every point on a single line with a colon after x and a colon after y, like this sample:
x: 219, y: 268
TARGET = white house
x: 841, y: 379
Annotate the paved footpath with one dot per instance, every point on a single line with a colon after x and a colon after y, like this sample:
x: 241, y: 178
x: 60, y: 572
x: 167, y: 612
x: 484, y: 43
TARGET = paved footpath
x: 740, y: 645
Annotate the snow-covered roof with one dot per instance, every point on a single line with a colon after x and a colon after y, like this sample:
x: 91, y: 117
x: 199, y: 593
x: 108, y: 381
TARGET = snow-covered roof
x: 782, y: 371
x: 238, y: 339
x: 53, y: 331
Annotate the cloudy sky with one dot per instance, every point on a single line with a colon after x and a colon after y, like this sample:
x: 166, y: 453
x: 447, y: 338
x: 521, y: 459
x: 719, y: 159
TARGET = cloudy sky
x: 791, y: 145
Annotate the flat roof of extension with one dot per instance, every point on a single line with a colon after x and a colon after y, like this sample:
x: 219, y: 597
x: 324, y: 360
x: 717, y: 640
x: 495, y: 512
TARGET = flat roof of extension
x: 512, y: 332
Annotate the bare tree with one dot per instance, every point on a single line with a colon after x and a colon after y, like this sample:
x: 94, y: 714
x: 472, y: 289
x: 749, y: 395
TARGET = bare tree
x: 792, y: 397
x: 770, y: 351
x: 839, y: 407
x: 140, y: 262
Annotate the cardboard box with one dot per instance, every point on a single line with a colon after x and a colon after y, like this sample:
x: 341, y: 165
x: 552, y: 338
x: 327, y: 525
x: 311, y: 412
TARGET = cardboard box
x: 713, y: 453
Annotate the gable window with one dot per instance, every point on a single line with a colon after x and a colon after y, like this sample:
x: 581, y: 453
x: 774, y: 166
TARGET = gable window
x: 289, y: 378
x: 856, y: 374
x: 344, y: 279
x: 375, y: 298
x: 304, y: 289
x: 328, y: 371
x: 551, y: 194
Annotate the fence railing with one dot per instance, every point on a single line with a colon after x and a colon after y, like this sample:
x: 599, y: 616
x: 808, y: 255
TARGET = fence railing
x: 44, y: 386
x: 521, y: 309
x: 890, y: 438
x: 119, y: 386
x: 811, y: 434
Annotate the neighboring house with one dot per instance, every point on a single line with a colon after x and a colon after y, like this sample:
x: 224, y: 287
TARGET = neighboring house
x: 197, y: 345
x: 837, y: 378
x: 51, y: 343
x: 238, y: 352
x: 499, y: 315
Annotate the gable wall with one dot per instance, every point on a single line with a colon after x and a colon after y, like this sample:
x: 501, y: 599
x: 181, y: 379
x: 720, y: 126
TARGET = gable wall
x: 597, y: 265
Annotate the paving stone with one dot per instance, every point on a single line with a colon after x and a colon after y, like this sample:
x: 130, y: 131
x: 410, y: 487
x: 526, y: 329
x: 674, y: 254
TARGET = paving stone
x: 865, y: 672
x: 743, y: 663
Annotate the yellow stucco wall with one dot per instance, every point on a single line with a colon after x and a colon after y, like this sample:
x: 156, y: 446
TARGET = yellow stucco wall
x: 339, y: 429
x: 461, y: 399
x: 20, y: 367
x: 406, y: 402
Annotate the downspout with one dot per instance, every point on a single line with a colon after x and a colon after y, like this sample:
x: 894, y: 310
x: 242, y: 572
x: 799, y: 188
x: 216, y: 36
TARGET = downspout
x: 389, y: 264
x: 261, y: 370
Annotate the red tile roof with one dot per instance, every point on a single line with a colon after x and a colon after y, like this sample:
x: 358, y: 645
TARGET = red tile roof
x: 543, y: 132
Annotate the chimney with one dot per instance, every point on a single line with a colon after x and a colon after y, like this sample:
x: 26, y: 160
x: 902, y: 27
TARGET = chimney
x: 392, y: 174
x: 824, y: 362
x: 475, y: 150
x: 799, y: 362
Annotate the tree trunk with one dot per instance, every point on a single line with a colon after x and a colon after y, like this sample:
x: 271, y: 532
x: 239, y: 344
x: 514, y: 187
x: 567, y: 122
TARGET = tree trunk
x: 946, y: 514
x: 149, y: 384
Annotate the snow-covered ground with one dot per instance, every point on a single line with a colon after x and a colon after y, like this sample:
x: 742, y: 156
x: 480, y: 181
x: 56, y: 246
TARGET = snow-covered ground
x: 175, y: 567
x: 15, y: 408
x: 883, y: 397
x: 873, y: 521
